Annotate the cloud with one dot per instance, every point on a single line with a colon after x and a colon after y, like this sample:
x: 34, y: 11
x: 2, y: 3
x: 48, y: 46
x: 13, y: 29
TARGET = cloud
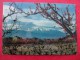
x: 6, y: 9
x: 45, y: 22
x: 10, y: 26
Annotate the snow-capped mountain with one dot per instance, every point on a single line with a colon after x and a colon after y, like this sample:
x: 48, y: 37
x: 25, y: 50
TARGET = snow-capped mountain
x: 37, y: 34
x: 30, y: 30
x: 32, y: 27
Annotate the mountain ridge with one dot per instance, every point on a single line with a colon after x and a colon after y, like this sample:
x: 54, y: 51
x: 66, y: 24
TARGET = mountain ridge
x: 37, y: 34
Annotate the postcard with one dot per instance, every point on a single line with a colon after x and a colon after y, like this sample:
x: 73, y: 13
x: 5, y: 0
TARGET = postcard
x: 39, y: 28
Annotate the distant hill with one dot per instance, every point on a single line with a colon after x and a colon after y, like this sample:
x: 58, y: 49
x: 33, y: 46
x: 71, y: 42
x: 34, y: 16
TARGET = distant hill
x: 37, y: 33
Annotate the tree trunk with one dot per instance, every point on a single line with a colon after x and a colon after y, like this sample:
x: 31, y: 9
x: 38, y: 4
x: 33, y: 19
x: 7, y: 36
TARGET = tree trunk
x: 68, y: 31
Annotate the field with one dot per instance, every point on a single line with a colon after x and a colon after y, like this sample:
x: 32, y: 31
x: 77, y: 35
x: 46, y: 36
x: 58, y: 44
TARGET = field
x: 40, y: 49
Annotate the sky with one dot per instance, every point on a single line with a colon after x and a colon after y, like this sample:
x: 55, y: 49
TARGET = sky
x: 33, y: 22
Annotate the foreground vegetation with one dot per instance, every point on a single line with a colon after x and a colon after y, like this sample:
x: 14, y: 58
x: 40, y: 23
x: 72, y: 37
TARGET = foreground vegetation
x: 35, y: 46
x: 50, y: 49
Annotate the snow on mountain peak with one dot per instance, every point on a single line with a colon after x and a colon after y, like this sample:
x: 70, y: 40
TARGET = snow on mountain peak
x: 40, y: 28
